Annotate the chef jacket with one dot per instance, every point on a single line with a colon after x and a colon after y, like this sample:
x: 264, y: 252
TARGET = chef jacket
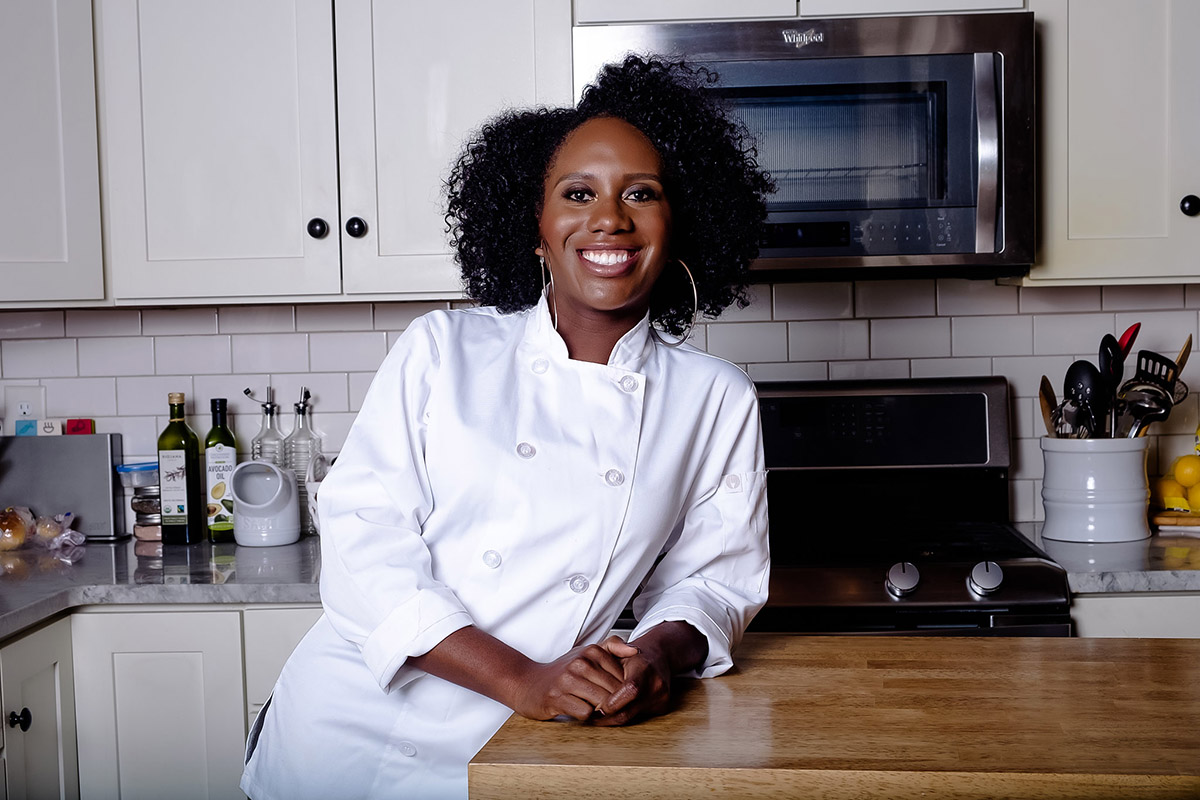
x: 490, y: 480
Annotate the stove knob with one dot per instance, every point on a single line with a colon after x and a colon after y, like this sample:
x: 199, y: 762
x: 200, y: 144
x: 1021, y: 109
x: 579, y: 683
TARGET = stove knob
x: 986, y: 577
x: 902, y: 579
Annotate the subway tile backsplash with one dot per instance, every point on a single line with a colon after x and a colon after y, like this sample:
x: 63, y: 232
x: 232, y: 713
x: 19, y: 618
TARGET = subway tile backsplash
x: 117, y: 365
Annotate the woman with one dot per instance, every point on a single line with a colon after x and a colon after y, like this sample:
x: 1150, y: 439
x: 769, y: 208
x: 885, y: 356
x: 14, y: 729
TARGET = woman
x: 519, y: 471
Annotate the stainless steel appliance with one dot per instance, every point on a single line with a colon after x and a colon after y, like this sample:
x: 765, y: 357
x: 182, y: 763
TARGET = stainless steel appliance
x: 56, y: 474
x: 901, y: 146
x: 888, y: 505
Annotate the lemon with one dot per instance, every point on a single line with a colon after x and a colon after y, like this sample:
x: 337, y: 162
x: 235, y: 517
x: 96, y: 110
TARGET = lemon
x: 218, y: 490
x: 1169, y: 494
x: 1187, y: 470
x: 1193, y: 497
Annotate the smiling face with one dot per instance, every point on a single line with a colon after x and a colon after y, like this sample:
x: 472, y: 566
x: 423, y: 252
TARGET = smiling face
x: 605, y: 226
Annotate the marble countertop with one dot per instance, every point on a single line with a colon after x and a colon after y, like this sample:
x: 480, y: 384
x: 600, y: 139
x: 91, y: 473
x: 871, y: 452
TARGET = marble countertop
x: 35, y: 585
x: 1162, y: 563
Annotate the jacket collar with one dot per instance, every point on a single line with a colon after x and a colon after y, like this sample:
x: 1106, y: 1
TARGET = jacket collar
x: 630, y: 352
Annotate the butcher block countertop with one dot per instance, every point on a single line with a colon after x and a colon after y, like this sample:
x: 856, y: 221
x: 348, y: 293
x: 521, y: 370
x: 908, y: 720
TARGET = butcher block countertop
x: 920, y: 717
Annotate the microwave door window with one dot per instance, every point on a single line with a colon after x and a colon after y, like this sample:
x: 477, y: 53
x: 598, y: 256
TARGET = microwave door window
x: 871, y: 156
x: 862, y: 150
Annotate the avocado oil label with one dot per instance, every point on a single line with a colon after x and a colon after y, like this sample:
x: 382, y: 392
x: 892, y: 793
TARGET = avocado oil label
x: 220, y: 461
x: 172, y: 466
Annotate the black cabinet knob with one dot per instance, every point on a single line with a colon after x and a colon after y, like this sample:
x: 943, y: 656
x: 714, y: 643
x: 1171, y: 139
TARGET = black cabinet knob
x: 356, y: 227
x: 24, y: 719
x: 1190, y: 205
x: 317, y: 228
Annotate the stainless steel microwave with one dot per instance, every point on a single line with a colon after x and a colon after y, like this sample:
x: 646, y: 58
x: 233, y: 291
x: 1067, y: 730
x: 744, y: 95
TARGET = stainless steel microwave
x: 900, y: 146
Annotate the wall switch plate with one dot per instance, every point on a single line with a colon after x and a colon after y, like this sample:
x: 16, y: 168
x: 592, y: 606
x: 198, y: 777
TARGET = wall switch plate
x: 23, y: 402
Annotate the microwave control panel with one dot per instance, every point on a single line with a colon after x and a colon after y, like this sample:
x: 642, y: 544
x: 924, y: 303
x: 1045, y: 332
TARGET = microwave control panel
x: 875, y: 232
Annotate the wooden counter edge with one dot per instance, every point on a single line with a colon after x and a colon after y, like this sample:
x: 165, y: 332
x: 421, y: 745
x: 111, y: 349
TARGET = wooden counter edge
x: 590, y: 782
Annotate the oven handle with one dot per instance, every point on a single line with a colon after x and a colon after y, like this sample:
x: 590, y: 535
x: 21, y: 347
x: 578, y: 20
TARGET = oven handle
x: 987, y: 136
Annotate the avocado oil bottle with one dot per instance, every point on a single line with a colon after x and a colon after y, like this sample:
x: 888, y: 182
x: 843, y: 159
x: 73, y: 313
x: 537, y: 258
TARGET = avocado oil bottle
x: 220, y: 457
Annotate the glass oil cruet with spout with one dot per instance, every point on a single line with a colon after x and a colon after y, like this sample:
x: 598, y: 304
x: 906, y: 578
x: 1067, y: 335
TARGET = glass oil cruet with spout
x: 300, y: 447
x: 268, y: 444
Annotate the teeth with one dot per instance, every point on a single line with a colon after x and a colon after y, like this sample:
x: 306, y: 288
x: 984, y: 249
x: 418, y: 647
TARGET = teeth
x: 605, y: 258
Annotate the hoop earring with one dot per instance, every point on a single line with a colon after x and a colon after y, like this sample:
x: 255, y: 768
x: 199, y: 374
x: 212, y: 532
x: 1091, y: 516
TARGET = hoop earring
x: 687, y: 332
x: 553, y: 299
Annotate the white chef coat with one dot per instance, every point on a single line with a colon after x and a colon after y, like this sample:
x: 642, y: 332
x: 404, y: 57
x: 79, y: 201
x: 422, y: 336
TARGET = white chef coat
x: 491, y: 481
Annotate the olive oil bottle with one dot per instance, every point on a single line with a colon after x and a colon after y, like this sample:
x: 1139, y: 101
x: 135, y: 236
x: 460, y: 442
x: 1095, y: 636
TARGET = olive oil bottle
x: 220, y: 457
x: 180, y: 484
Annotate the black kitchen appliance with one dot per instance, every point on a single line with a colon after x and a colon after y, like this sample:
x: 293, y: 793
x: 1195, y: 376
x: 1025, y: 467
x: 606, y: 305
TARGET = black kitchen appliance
x: 888, y: 503
x: 900, y: 146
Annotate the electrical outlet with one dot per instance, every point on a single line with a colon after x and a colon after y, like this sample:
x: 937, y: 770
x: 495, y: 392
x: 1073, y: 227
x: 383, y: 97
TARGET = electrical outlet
x: 24, y: 402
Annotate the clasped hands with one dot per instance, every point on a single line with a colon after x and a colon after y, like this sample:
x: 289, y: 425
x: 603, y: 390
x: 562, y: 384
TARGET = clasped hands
x: 610, y: 683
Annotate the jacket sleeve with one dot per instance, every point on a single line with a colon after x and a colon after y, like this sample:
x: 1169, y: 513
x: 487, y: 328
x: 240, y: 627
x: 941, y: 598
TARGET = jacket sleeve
x: 377, y: 584
x: 715, y: 571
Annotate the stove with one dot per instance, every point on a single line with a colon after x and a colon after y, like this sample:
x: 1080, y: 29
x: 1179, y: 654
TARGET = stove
x: 889, y: 513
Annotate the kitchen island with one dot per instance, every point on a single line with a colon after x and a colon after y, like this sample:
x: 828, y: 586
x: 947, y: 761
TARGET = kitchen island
x: 843, y: 717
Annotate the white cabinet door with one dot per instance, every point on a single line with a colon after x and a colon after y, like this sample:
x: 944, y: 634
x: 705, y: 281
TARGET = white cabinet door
x: 1146, y: 615
x: 36, y: 681
x: 49, y: 174
x: 1119, y: 141
x: 219, y: 147
x: 588, y: 11
x: 159, y: 703
x: 271, y: 634
x: 413, y: 80
x: 855, y: 8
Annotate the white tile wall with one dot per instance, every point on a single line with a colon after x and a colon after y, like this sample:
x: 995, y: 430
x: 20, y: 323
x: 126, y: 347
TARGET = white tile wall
x: 334, y: 317
x: 256, y: 319
x: 116, y: 355
x: 358, y: 352
x: 30, y: 324
x: 38, y: 358
x: 117, y: 365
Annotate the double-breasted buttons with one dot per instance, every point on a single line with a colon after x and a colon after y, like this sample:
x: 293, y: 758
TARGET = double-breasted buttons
x: 526, y: 450
x: 491, y: 559
x: 407, y: 749
x: 629, y: 383
x: 614, y: 477
x: 733, y: 482
x: 578, y: 584
x: 540, y: 365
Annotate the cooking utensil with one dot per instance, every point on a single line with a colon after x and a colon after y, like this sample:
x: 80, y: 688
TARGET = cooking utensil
x: 1086, y: 388
x: 1049, y: 403
x: 1182, y: 358
x: 1156, y: 369
x: 1128, y: 337
x: 1146, y: 404
x: 1112, y: 366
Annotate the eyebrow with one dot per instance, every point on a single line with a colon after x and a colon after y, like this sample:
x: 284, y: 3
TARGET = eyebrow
x: 633, y: 176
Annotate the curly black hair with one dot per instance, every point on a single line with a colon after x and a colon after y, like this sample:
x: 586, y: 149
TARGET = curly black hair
x: 711, y: 178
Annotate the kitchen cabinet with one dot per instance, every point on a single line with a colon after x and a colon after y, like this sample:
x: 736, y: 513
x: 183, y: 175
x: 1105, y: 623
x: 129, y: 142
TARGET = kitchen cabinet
x: 1118, y: 112
x: 589, y: 11
x: 278, y: 151
x: 855, y: 8
x: 38, y: 701
x: 159, y: 701
x: 1149, y: 615
x: 271, y: 634
x: 49, y: 193
x: 607, y: 11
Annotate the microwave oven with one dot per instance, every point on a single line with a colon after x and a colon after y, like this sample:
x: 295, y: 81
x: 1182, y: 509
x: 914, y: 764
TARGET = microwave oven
x: 900, y: 146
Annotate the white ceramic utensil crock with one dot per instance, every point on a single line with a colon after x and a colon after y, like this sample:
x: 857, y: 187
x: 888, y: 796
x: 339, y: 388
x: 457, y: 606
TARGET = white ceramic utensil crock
x: 1095, y: 490
x: 266, y: 506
